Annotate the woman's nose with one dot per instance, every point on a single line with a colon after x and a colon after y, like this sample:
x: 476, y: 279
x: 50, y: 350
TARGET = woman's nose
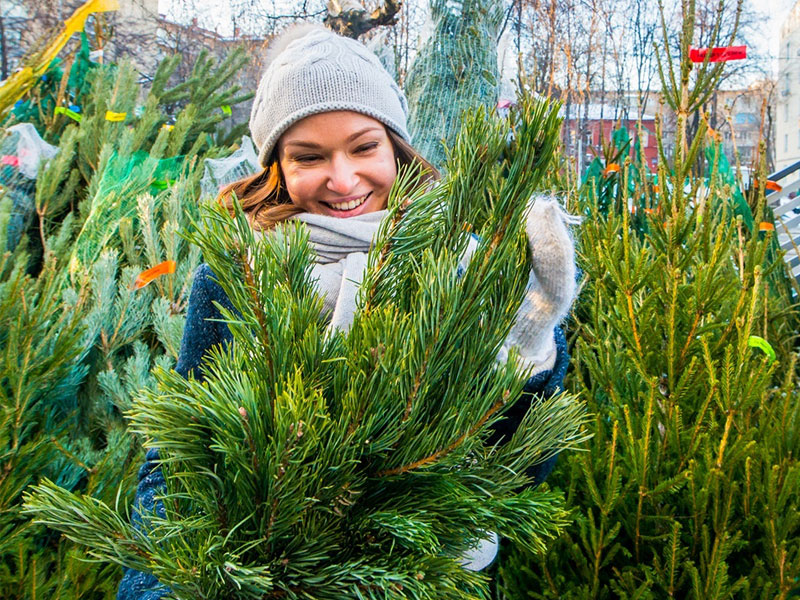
x: 342, y: 177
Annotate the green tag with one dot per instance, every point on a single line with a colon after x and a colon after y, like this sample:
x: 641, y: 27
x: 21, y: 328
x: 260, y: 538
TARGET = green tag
x: 70, y: 113
x: 162, y: 184
x: 758, y: 342
x: 226, y: 109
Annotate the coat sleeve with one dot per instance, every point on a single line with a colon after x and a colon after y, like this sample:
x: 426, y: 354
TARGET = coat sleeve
x: 136, y: 585
x: 202, y: 331
x: 542, y: 385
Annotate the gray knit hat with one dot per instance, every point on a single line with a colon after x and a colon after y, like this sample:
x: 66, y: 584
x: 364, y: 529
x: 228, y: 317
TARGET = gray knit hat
x: 312, y: 70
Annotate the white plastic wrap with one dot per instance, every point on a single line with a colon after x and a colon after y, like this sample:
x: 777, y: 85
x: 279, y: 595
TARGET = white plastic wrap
x: 26, y: 149
x: 220, y: 172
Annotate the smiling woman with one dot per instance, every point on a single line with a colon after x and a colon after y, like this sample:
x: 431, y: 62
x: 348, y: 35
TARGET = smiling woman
x: 340, y: 164
x: 330, y: 126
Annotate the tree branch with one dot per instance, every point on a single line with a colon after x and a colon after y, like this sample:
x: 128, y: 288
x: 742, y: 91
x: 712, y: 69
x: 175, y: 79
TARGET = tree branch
x: 439, y: 453
x: 350, y: 19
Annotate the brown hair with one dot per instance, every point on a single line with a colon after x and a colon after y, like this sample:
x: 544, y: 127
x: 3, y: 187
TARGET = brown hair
x: 266, y: 203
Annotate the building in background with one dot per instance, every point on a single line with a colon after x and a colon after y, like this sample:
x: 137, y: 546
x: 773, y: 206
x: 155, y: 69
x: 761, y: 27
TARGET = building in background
x: 744, y: 118
x: 787, y: 93
x: 588, y: 127
x: 136, y: 25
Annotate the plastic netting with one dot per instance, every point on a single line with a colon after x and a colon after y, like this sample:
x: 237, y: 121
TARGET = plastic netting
x: 219, y: 172
x: 124, y: 179
x: 22, y: 150
x: 456, y: 69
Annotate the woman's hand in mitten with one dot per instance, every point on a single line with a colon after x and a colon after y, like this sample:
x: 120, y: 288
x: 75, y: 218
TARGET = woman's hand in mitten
x: 551, y: 287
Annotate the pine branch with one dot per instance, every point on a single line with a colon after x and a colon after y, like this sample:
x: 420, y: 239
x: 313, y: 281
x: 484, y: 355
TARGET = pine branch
x: 444, y: 451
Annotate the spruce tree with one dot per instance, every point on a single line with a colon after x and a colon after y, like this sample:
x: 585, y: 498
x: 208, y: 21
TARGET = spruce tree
x: 684, y: 350
x: 77, y: 341
x: 323, y: 464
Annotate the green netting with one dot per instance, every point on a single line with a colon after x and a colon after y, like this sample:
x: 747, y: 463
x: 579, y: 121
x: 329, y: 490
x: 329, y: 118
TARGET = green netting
x: 455, y: 70
x: 124, y: 179
x: 605, y: 184
x: 718, y: 163
x: 219, y: 172
x: 21, y: 152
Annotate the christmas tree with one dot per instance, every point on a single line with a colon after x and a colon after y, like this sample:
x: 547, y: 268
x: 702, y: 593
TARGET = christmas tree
x: 79, y: 331
x: 310, y: 462
x: 455, y: 70
x: 684, y: 348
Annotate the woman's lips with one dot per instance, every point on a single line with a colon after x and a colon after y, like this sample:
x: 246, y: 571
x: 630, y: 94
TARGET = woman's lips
x: 349, y: 205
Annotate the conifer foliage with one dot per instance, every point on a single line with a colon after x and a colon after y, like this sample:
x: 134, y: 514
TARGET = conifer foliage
x: 684, y: 350
x: 76, y: 341
x: 322, y: 464
x: 455, y: 70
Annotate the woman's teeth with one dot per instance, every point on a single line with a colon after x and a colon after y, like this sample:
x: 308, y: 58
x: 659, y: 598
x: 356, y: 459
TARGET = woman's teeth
x: 349, y: 205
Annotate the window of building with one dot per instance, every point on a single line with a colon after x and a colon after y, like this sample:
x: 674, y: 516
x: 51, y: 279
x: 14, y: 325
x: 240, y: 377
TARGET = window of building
x: 786, y: 112
x: 745, y: 118
x: 798, y: 138
x: 786, y: 142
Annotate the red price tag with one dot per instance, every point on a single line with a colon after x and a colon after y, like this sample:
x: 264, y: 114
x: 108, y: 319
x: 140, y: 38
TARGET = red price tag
x: 721, y: 54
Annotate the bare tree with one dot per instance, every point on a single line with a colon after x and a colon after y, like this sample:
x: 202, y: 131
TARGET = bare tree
x: 26, y: 26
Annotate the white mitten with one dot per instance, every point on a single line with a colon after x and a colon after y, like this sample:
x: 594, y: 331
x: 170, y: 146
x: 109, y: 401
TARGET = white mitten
x: 551, y: 288
x: 482, y: 555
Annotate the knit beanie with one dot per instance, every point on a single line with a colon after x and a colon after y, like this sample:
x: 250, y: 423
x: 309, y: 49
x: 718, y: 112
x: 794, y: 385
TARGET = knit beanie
x: 311, y: 70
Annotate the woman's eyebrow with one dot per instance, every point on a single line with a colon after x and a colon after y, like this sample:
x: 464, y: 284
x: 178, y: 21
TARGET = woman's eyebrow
x: 302, y: 143
x: 358, y: 134
x: 350, y: 138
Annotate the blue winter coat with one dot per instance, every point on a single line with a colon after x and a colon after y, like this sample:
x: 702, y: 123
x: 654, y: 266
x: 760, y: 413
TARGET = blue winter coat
x: 202, y: 332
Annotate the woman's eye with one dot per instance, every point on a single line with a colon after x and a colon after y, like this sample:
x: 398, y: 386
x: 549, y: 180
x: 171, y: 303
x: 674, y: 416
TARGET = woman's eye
x: 367, y: 147
x: 307, y: 158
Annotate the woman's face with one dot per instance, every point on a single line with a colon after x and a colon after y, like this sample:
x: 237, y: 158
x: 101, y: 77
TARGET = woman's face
x: 340, y: 164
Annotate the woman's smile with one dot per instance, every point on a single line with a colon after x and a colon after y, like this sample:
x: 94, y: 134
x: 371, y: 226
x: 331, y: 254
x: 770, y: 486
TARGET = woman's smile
x: 347, y: 204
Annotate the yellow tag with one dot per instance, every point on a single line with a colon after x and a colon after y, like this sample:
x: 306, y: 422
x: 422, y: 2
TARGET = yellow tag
x: 167, y: 127
x: 115, y: 116
x: 60, y: 110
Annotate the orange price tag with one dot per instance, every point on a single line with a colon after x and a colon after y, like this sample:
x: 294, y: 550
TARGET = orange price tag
x: 611, y: 168
x: 766, y: 226
x: 774, y: 186
x: 145, y: 277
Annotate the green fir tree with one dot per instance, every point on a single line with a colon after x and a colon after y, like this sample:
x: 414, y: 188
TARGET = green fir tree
x: 77, y: 341
x: 455, y: 70
x: 684, y: 349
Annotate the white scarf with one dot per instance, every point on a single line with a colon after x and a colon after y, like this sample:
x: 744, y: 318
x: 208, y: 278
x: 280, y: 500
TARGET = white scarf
x: 341, y: 247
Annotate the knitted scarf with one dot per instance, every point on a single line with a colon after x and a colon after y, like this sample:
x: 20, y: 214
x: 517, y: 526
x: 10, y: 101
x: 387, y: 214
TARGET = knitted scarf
x: 341, y: 247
